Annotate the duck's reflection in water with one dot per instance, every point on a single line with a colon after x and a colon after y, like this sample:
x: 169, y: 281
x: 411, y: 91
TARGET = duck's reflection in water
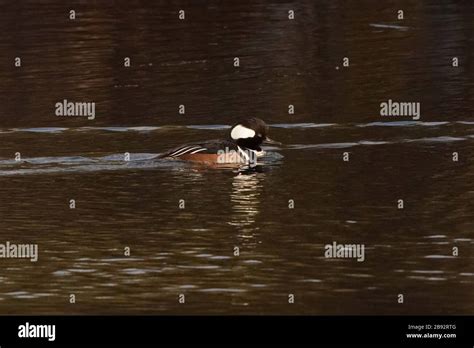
x: 245, y: 199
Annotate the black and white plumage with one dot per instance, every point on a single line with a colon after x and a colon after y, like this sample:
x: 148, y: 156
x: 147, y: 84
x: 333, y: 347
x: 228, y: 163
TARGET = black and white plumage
x: 242, y: 145
x: 185, y: 149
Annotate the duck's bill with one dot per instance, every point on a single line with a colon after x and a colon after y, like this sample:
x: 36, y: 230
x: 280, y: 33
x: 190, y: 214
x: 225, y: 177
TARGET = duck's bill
x: 271, y: 141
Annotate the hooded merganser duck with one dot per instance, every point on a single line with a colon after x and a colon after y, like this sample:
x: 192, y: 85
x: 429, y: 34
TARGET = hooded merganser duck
x: 241, y: 147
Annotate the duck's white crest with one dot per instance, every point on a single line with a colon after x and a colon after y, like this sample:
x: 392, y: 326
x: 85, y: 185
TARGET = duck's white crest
x: 241, y: 132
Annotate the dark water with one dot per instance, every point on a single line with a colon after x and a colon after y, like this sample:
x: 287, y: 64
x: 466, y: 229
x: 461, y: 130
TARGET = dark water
x: 191, y: 251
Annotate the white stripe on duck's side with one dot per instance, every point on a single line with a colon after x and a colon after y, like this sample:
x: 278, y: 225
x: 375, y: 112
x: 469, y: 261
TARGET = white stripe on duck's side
x: 250, y: 157
x: 243, y: 154
x: 187, y: 149
x: 198, y: 150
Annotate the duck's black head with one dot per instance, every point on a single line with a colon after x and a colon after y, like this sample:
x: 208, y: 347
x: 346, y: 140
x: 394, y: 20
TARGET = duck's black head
x: 250, y: 133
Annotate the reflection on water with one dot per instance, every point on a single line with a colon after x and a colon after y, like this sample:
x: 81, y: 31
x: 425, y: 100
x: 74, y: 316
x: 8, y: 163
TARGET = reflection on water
x: 191, y: 249
x: 245, y: 199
